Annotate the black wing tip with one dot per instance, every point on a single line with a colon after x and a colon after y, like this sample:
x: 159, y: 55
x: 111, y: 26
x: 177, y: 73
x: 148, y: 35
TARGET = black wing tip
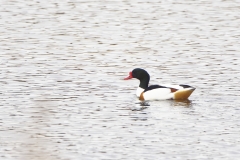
x: 185, y: 86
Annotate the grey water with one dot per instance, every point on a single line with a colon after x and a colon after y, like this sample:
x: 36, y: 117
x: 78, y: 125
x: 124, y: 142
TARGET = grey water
x: 63, y: 96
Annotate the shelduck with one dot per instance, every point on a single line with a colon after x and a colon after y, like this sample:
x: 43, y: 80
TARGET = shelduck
x: 158, y: 92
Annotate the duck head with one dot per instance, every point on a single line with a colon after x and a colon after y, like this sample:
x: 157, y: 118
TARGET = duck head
x: 141, y: 75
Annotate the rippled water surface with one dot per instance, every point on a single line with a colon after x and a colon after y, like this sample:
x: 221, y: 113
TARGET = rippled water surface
x: 63, y: 96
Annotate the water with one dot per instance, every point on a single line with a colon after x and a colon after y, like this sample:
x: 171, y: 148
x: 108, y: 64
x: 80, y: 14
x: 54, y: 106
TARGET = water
x: 62, y: 90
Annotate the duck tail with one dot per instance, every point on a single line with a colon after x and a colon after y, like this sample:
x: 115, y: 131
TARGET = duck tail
x: 184, y: 93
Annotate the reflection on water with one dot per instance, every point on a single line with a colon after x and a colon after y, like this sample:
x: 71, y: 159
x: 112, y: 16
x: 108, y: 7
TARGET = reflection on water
x: 183, y: 103
x: 139, y: 116
x: 63, y: 97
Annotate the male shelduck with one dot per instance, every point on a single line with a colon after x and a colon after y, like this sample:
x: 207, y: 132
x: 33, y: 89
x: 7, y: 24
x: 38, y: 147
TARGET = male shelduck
x: 158, y: 92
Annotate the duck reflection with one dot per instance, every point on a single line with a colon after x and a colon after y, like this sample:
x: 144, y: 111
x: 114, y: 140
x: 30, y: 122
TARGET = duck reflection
x: 139, y: 116
x: 141, y: 112
x: 182, y: 103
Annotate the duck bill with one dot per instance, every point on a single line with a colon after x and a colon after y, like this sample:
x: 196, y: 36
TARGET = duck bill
x: 129, y: 77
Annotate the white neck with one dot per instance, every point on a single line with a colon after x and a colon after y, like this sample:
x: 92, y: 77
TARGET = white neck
x: 139, y: 91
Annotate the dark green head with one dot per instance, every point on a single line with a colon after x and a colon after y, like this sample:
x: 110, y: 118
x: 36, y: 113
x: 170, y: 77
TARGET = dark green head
x: 141, y: 75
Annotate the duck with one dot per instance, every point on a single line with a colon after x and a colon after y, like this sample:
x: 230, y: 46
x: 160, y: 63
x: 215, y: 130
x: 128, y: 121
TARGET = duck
x: 158, y: 92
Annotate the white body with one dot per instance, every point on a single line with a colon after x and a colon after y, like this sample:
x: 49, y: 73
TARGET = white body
x: 164, y: 93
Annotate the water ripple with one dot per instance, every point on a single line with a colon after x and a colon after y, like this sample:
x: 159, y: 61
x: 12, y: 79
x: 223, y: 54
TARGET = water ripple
x: 62, y: 69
